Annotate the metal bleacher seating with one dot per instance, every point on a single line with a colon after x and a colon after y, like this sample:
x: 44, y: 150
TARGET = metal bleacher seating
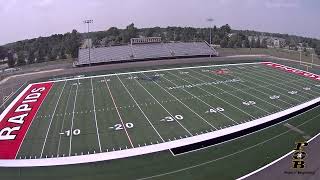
x: 144, y: 51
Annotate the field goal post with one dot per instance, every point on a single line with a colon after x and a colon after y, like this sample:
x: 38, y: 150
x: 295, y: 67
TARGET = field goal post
x: 307, y: 65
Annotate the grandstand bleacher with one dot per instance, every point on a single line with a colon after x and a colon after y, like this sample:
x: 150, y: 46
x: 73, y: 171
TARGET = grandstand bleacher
x: 144, y: 51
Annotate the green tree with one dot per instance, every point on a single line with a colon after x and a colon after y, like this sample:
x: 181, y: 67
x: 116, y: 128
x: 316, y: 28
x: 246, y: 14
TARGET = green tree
x: 41, y: 56
x: 72, y: 43
x: 21, y: 58
x: 225, y: 29
x: 113, y: 31
x: 317, y: 49
x: 232, y: 43
x: 224, y: 42
x: 129, y: 32
x: 11, y: 61
x: 216, y: 39
x: 62, y: 54
x: 53, y: 54
x: 31, y: 57
x: 264, y: 43
x: 252, y: 43
x: 3, y: 52
x: 246, y: 43
x: 258, y: 43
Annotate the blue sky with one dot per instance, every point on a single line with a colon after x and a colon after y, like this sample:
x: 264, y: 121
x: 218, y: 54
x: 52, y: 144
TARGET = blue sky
x: 23, y: 19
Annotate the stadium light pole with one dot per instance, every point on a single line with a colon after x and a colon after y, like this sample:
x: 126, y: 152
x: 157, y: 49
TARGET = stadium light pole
x: 88, y: 22
x: 210, y: 20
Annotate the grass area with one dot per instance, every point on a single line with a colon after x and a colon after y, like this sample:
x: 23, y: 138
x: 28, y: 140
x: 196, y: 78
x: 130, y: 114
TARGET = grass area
x: 159, y: 95
x: 133, y: 110
x: 272, y: 52
x: 225, y: 161
x: 47, y: 63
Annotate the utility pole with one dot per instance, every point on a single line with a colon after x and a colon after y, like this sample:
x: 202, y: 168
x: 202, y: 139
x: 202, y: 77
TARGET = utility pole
x: 210, y: 20
x: 88, y: 22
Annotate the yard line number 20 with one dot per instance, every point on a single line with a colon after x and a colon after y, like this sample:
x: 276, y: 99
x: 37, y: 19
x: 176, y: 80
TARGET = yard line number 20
x: 118, y: 127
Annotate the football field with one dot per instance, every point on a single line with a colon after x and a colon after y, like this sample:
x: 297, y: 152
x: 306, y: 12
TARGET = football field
x: 118, y: 112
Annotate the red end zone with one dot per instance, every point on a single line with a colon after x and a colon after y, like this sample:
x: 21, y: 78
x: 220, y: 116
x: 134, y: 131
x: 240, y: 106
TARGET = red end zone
x: 17, y: 118
x: 293, y: 70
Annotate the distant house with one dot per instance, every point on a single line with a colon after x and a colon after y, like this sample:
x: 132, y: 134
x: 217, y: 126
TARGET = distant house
x: 276, y: 42
x: 231, y: 34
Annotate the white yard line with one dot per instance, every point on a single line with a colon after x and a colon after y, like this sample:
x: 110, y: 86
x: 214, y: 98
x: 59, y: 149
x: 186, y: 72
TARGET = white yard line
x: 289, y: 77
x: 115, y: 105
x: 71, y: 130
x: 62, y: 125
x: 164, y: 108
x: 266, y: 87
x: 231, y: 87
x: 226, y: 92
x: 198, y: 97
x: 155, y: 70
x: 141, y: 110
x: 13, y: 103
x: 52, y: 116
x: 150, y: 148
x: 214, y: 160
x: 95, y: 117
x: 252, y: 95
x: 275, y: 161
x: 257, y: 74
x: 258, y: 91
x: 184, y: 104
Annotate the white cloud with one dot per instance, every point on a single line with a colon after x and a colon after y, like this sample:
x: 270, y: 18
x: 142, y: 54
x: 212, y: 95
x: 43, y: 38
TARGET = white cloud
x: 282, y: 4
x: 7, y: 5
x: 43, y: 3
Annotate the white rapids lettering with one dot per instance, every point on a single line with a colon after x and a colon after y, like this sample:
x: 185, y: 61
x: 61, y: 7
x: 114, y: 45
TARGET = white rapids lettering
x: 295, y: 71
x: 7, y: 133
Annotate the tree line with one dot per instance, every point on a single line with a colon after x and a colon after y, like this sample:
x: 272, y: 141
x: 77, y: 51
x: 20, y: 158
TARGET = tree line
x: 62, y: 46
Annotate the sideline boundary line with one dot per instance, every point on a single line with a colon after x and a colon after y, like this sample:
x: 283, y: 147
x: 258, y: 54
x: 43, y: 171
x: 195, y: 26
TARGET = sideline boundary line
x: 12, y: 95
x: 226, y: 156
x: 5, y: 112
x: 17, y: 99
x: 273, y: 162
x: 155, y: 70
